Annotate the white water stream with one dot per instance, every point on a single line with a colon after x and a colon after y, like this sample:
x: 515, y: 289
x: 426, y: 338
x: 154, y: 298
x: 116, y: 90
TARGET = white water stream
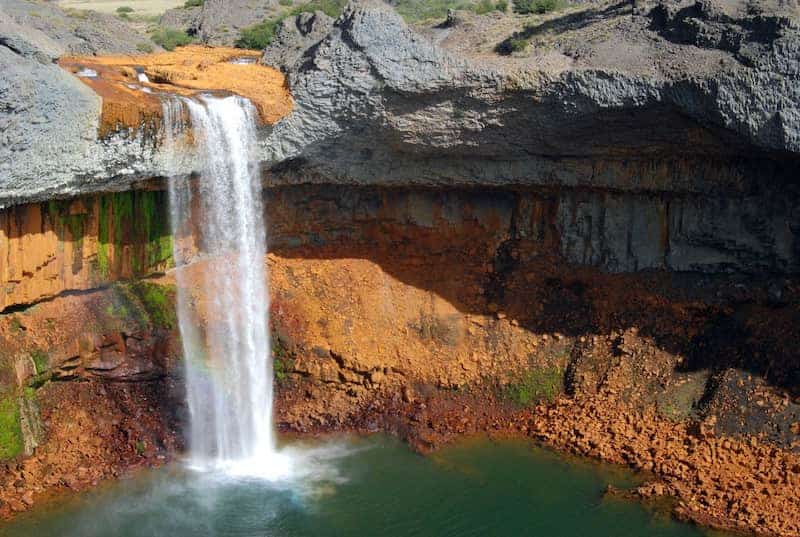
x: 228, y: 358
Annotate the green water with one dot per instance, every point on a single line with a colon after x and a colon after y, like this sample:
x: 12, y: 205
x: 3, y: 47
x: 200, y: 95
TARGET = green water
x: 363, y: 487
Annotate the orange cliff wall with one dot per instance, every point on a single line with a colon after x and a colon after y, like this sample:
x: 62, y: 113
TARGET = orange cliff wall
x: 51, y: 247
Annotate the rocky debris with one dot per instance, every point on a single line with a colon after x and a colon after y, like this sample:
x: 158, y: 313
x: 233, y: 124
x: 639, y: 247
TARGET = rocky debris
x: 737, y: 485
x: 95, y: 432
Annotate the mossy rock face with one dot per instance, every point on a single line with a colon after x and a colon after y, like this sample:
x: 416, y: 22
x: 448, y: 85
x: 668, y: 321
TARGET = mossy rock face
x: 144, y: 303
x: 136, y: 218
x: 10, y: 430
x: 535, y: 385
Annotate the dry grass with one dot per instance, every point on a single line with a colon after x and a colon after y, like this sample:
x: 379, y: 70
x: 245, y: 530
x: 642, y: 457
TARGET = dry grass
x: 140, y: 7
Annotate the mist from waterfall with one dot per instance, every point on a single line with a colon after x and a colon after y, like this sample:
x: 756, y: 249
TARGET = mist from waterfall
x: 228, y: 358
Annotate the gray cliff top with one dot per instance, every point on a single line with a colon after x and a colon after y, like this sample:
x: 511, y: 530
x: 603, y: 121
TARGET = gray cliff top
x: 704, y: 92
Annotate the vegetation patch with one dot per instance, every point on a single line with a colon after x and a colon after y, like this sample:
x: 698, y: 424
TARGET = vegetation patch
x: 282, y: 360
x: 535, y: 385
x: 68, y: 227
x: 16, y: 325
x: 136, y: 218
x: 170, y: 38
x: 146, y: 303
x: 158, y: 302
x: 10, y: 429
x: 40, y: 360
x: 487, y: 6
x: 526, y: 7
x: 124, y: 12
x: 259, y: 36
x: 193, y: 3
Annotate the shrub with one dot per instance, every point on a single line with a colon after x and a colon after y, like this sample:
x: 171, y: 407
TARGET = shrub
x: 483, y: 7
x: 538, y: 384
x: 144, y: 47
x: 286, y: 3
x: 124, y: 10
x: 526, y: 7
x: 193, y: 3
x: 257, y: 36
x: 169, y: 38
x: 517, y: 45
x: 502, y: 6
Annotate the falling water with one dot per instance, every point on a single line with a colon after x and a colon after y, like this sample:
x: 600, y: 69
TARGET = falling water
x: 228, y: 363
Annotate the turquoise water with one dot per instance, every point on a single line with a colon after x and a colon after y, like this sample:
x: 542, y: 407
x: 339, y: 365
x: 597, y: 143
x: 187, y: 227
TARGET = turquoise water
x: 367, y: 486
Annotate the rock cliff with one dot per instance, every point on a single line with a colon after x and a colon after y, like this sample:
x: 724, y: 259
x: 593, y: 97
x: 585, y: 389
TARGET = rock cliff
x: 582, y: 227
x: 691, y: 108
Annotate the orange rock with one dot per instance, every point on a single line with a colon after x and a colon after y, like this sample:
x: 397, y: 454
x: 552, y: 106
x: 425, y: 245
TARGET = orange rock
x: 185, y: 71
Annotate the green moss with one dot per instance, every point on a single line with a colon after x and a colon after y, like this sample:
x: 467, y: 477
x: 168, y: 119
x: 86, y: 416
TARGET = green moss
x: 536, y: 384
x: 68, y: 227
x: 158, y: 302
x: 282, y: 360
x: 138, y: 219
x: 103, y: 237
x: 10, y: 430
x: 40, y: 360
x: 154, y: 227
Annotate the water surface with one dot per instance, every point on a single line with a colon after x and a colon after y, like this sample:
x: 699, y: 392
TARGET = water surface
x: 367, y: 486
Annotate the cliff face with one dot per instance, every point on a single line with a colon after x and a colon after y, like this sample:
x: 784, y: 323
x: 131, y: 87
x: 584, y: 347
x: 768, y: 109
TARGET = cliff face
x: 606, y: 226
x: 693, y: 125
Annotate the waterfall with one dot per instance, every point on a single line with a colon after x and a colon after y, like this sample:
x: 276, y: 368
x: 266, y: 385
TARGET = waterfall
x: 228, y: 359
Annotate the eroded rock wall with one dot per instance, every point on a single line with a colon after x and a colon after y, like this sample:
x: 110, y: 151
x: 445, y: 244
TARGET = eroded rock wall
x: 71, y: 245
